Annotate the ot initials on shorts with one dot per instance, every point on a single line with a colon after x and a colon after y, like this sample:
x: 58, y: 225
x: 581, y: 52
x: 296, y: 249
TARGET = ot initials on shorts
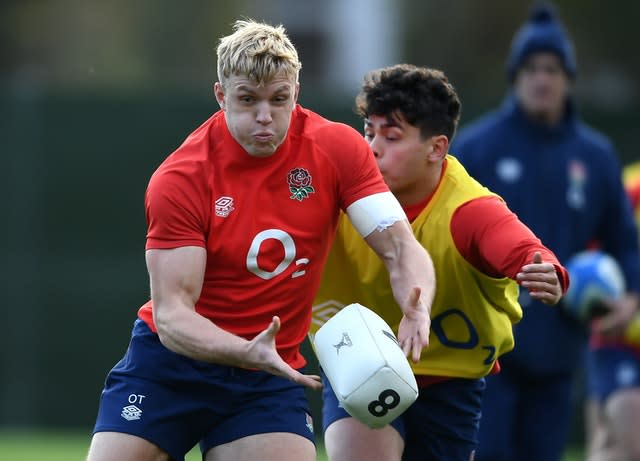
x: 136, y: 398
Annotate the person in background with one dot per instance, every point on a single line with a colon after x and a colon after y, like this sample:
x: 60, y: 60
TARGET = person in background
x: 613, y: 376
x: 240, y: 219
x: 563, y: 180
x: 481, y: 252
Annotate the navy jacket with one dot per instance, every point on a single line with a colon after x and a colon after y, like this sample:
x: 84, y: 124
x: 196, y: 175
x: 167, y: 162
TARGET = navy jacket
x: 564, y: 182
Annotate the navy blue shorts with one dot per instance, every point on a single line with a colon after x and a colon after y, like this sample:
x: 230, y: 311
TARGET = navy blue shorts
x: 610, y: 370
x: 176, y: 402
x: 442, y: 424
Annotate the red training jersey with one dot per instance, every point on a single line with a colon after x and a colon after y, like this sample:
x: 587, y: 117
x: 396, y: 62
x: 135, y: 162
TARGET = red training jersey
x: 266, y: 223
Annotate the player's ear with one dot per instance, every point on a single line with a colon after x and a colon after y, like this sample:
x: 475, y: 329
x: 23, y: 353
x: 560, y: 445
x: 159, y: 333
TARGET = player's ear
x: 218, y: 91
x: 437, y: 148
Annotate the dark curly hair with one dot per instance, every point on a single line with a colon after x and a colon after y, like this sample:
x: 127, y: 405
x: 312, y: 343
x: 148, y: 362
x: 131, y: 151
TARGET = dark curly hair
x: 423, y: 96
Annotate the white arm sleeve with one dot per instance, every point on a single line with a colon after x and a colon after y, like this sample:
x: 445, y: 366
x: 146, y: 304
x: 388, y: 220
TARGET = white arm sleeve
x: 375, y: 212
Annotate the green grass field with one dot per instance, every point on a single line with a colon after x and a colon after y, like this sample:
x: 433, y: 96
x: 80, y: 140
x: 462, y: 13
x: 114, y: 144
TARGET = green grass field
x: 72, y: 446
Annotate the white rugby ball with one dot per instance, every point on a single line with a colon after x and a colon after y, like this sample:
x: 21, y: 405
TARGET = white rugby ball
x: 366, y: 367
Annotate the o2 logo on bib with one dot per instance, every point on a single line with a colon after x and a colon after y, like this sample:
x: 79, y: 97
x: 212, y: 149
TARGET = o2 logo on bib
x: 387, y: 400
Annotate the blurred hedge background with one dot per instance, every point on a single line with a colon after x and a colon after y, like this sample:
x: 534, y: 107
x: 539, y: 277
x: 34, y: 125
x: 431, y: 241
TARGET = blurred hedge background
x: 95, y: 94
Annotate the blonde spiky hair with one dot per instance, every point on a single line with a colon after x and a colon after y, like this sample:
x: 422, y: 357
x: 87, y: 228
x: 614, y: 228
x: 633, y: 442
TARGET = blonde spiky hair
x: 257, y: 50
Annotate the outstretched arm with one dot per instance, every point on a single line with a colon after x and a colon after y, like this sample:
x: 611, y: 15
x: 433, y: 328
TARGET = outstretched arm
x: 492, y: 239
x: 412, y: 277
x: 176, y: 281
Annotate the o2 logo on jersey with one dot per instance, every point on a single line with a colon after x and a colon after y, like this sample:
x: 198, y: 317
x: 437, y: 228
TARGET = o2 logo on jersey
x: 387, y: 400
x: 289, y: 255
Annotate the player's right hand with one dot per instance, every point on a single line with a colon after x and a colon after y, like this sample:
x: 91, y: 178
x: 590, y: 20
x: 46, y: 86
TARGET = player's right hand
x: 413, y: 331
x: 262, y: 354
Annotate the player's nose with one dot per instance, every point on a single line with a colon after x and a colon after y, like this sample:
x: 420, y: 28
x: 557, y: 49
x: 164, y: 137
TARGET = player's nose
x: 263, y: 114
x: 376, y: 147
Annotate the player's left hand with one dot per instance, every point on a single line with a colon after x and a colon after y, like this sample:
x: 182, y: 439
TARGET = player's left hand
x: 619, y: 313
x: 413, y: 332
x: 541, y: 280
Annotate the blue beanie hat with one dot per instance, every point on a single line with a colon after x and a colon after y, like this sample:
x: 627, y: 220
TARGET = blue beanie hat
x: 542, y: 32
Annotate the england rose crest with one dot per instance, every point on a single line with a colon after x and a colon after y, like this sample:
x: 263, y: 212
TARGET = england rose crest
x: 300, y: 186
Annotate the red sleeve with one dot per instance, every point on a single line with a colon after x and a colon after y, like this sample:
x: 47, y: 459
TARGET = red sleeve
x: 175, y: 211
x: 492, y: 239
x: 356, y: 165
